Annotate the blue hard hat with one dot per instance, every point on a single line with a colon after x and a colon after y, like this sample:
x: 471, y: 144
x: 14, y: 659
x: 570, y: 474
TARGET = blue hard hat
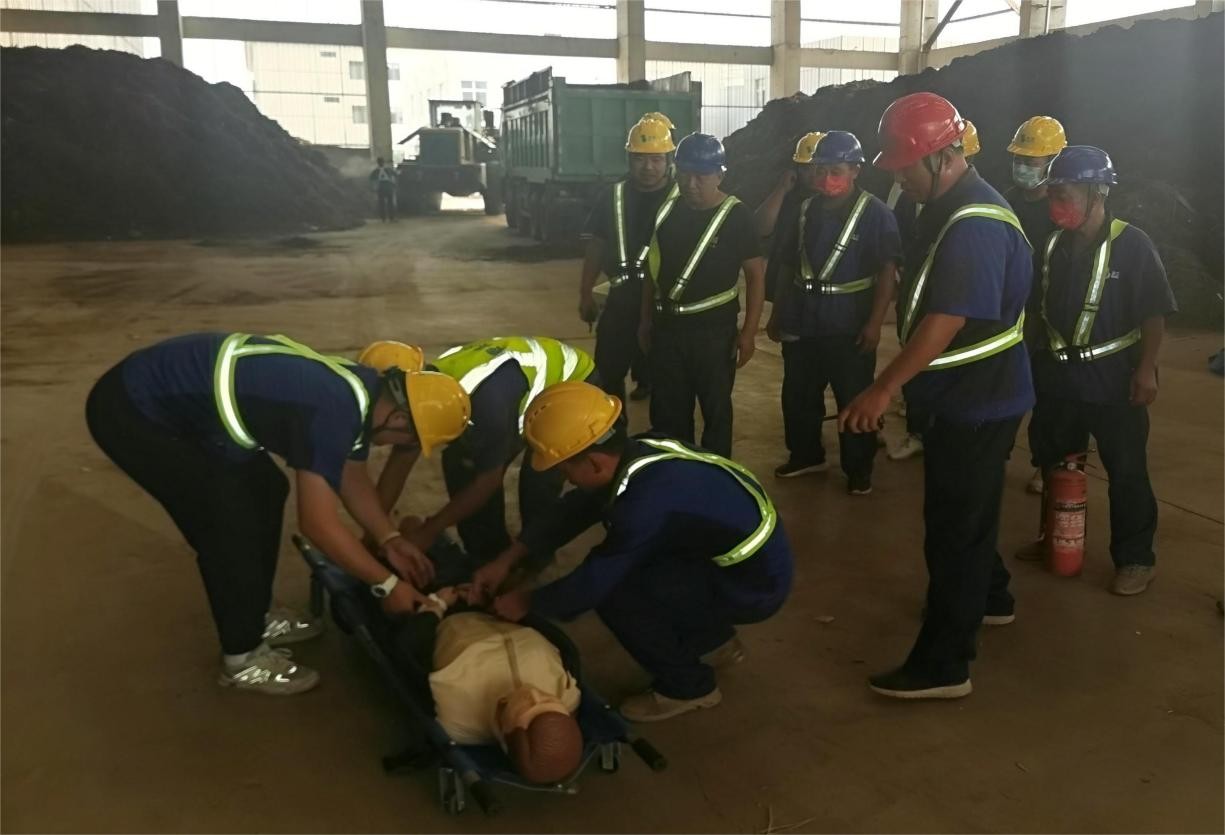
x: 1082, y: 164
x: 838, y: 146
x: 700, y: 153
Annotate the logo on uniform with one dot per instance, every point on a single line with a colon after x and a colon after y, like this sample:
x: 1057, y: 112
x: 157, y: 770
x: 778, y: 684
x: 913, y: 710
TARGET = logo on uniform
x: 1113, y: 274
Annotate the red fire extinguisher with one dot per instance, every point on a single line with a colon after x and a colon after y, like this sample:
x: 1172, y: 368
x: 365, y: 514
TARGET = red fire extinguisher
x: 1067, y: 494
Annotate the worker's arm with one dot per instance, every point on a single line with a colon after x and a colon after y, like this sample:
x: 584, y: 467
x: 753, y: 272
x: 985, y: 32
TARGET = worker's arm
x: 1144, y: 379
x: 593, y: 257
x: 319, y: 521
x: 882, y: 297
x: 754, y: 301
x: 394, y: 475
x: 766, y: 216
x: 360, y: 498
x: 932, y: 335
x: 463, y: 504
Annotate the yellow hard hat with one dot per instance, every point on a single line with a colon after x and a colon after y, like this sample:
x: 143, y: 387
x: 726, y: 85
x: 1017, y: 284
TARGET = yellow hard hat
x: 387, y: 353
x: 1040, y: 136
x: 650, y: 136
x: 439, y: 406
x: 806, y: 148
x: 659, y: 117
x: 969, y: 140
x: 565, y: 419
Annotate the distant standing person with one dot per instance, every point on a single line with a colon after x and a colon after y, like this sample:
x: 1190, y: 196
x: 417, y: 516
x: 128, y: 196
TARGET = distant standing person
x: 384, y: 180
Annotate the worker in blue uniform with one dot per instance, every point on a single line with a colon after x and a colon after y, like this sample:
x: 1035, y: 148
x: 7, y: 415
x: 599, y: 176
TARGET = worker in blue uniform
x: 193, y: 419
x: 702, y: 240
x: 694, y: 547
x: 1103, y: 298
x: 961, y: 314
x: 840, y: 268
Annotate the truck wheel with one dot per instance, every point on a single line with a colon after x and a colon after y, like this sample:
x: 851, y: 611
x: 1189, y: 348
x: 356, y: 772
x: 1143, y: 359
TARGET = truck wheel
x: 538, y: 212
x: 493, y: 206
x: 512, y: 210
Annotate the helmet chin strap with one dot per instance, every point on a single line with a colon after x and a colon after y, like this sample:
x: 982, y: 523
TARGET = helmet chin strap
x: 385, y: 426
x: 935, y: 169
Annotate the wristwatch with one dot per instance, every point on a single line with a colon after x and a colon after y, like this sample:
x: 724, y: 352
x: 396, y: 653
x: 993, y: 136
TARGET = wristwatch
x: 381, y: 590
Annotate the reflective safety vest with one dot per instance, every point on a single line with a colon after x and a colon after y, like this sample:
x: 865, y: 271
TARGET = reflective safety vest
x: 980, y: 350
x: 821, y: 283
x: 627, y: 267
x: 543, y: 361
x: 672, y: 304
x: 672, y: 450
x: 1080, y: 350
x: 238, y: 345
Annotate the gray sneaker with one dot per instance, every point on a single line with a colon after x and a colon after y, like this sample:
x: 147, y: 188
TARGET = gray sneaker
x: 270, y: 671
x: 1132, y: 579
x: 283, y: 625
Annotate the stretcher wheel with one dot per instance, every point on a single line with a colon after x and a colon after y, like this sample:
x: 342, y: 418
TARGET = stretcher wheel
x: 649, y: 755
x: 610, y: 757
x: 485, y: 798
x: 451, y: 791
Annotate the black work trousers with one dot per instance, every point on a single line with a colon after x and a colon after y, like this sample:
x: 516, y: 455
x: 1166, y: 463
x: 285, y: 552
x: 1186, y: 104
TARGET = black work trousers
x: 387, y: 204
x: 484, y: 533
x: 1059, y: 428
x: 963, y: 484
x: 689, y: 364
x: 229, y: 511
x: 616, y: 341
x: 809, y: 366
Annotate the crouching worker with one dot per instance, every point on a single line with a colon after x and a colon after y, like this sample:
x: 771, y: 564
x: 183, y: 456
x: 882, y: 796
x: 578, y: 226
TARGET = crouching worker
x: 193, y: 419
x: 496, y: 682
x: 694, y: 547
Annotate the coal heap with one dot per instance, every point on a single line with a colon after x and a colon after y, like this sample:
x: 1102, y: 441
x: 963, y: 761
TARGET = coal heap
x: 1151, y: 95
x: 102, y: 144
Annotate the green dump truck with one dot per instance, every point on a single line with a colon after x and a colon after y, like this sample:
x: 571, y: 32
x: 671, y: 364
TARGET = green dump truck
x: 561, y: 144
x: 458, y: 154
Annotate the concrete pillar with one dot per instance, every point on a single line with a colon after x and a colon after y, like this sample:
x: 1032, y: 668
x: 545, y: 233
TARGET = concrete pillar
x: 170, y: 31
x: 378, y: 101
x: 918, y: 21
x: 1040, y: 17
x: 785, y: 46
x: 1203, y: 8
x: 631, y: 41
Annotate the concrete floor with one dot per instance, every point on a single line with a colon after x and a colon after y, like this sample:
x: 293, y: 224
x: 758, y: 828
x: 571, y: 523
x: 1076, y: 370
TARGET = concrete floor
x: 1090, y: 713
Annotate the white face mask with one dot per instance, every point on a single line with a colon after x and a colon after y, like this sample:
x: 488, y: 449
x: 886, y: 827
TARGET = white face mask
x: 1027, y: 176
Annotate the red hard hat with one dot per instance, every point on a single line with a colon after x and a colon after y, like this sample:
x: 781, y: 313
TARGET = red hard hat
x: 915, y: 126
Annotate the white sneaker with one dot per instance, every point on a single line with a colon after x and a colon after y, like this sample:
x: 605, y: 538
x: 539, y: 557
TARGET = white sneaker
x: 1035, y: 483
x: 283, y: 625
x: 911, y: 446
x: 270, y: 671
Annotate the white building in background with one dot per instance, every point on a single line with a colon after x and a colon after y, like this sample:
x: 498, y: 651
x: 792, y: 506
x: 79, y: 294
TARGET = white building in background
x: 144, y: 47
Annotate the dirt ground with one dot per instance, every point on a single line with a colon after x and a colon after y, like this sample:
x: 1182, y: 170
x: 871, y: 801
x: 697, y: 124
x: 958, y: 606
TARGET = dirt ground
x: 1090, y: 713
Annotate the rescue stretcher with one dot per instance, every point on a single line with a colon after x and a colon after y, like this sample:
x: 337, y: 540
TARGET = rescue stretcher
x: 463, y: 771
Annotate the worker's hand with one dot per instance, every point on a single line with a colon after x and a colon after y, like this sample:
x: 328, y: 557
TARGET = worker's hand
x: 513, y: 605
x: 408, y: 561
x: 422, y: 536
x: 487, y: 580
x: 868, y: 339
x: 403, y: 600
x: 772, y: 330
x: 745, y: 346
x: 644, y: 337
x: 787, y: 181
x: 866, y: 413
x: 449, y: 595
x: 1143, y: 386
x: 588, y: 310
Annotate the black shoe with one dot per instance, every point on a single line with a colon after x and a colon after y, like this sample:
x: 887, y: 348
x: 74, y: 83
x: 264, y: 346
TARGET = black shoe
x: 640, y: 392
x: 795, y: 468
x: 859, y: 486
x: 903, y: 684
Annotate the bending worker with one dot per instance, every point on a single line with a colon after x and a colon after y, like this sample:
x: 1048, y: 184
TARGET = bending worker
x: 780, y: 211
x: 693, y: 547
x: 690, y: 301
x: 618, y: 232
x: 193, y: 419
x: 1103, y: 299
x: 961, y: 311
x: 501, y: 376
x: 840, y: 270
